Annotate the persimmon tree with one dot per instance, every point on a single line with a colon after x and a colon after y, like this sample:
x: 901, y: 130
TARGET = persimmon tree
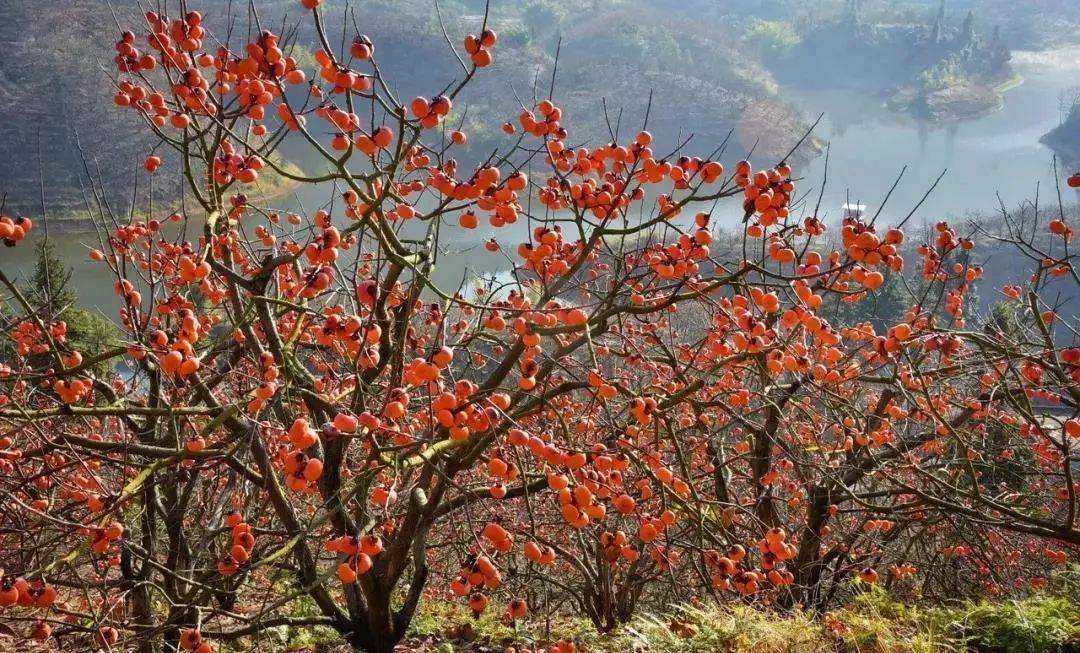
x: 305, y: 410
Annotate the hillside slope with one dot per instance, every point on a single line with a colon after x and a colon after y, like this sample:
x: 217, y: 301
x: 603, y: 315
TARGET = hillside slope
x: 52, y: 87
x: 55, y: 78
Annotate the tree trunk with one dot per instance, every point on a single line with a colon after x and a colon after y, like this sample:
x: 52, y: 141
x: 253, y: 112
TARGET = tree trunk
x: 373, y: 638
x: 378, y: 629
x: 807, y: 561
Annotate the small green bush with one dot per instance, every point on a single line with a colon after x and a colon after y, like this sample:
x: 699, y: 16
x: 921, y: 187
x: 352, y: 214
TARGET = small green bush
x: 1036, y: 625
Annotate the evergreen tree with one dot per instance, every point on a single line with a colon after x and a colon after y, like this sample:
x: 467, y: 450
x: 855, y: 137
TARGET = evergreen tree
x: 967, y: 32
x: 853, y: 12
x: 883, y: 308
x: 50, y: 292
x: 939, y: 24
x: 543, y: 17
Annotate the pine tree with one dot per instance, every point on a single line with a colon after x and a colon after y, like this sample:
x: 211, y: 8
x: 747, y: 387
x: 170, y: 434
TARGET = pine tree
x: 50, y: 290
x: 968, y: 31
x: 939, y: 24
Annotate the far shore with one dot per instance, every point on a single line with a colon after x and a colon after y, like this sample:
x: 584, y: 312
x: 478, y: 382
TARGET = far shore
x: 80, y: 222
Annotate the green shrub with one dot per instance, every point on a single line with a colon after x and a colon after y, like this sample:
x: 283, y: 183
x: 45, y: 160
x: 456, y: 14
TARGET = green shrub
x: 1036, y: 625
x: 773, y: 39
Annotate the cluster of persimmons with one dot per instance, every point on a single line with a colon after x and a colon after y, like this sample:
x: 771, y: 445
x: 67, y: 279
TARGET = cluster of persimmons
x: 644, y: 409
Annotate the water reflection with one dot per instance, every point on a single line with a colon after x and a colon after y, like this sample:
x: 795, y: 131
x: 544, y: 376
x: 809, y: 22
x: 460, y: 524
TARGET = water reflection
x: 999, y: 152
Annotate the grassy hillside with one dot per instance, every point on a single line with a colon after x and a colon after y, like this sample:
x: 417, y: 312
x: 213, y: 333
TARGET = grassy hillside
x: 52, y: 87
x: 55, y: 78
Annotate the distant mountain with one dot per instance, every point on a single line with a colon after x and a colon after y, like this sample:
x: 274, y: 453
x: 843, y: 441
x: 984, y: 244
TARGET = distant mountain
x: 56, y: 72
x: 53, y: 85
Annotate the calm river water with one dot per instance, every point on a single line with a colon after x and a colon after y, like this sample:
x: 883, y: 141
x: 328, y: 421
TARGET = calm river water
x: 997, y: 153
